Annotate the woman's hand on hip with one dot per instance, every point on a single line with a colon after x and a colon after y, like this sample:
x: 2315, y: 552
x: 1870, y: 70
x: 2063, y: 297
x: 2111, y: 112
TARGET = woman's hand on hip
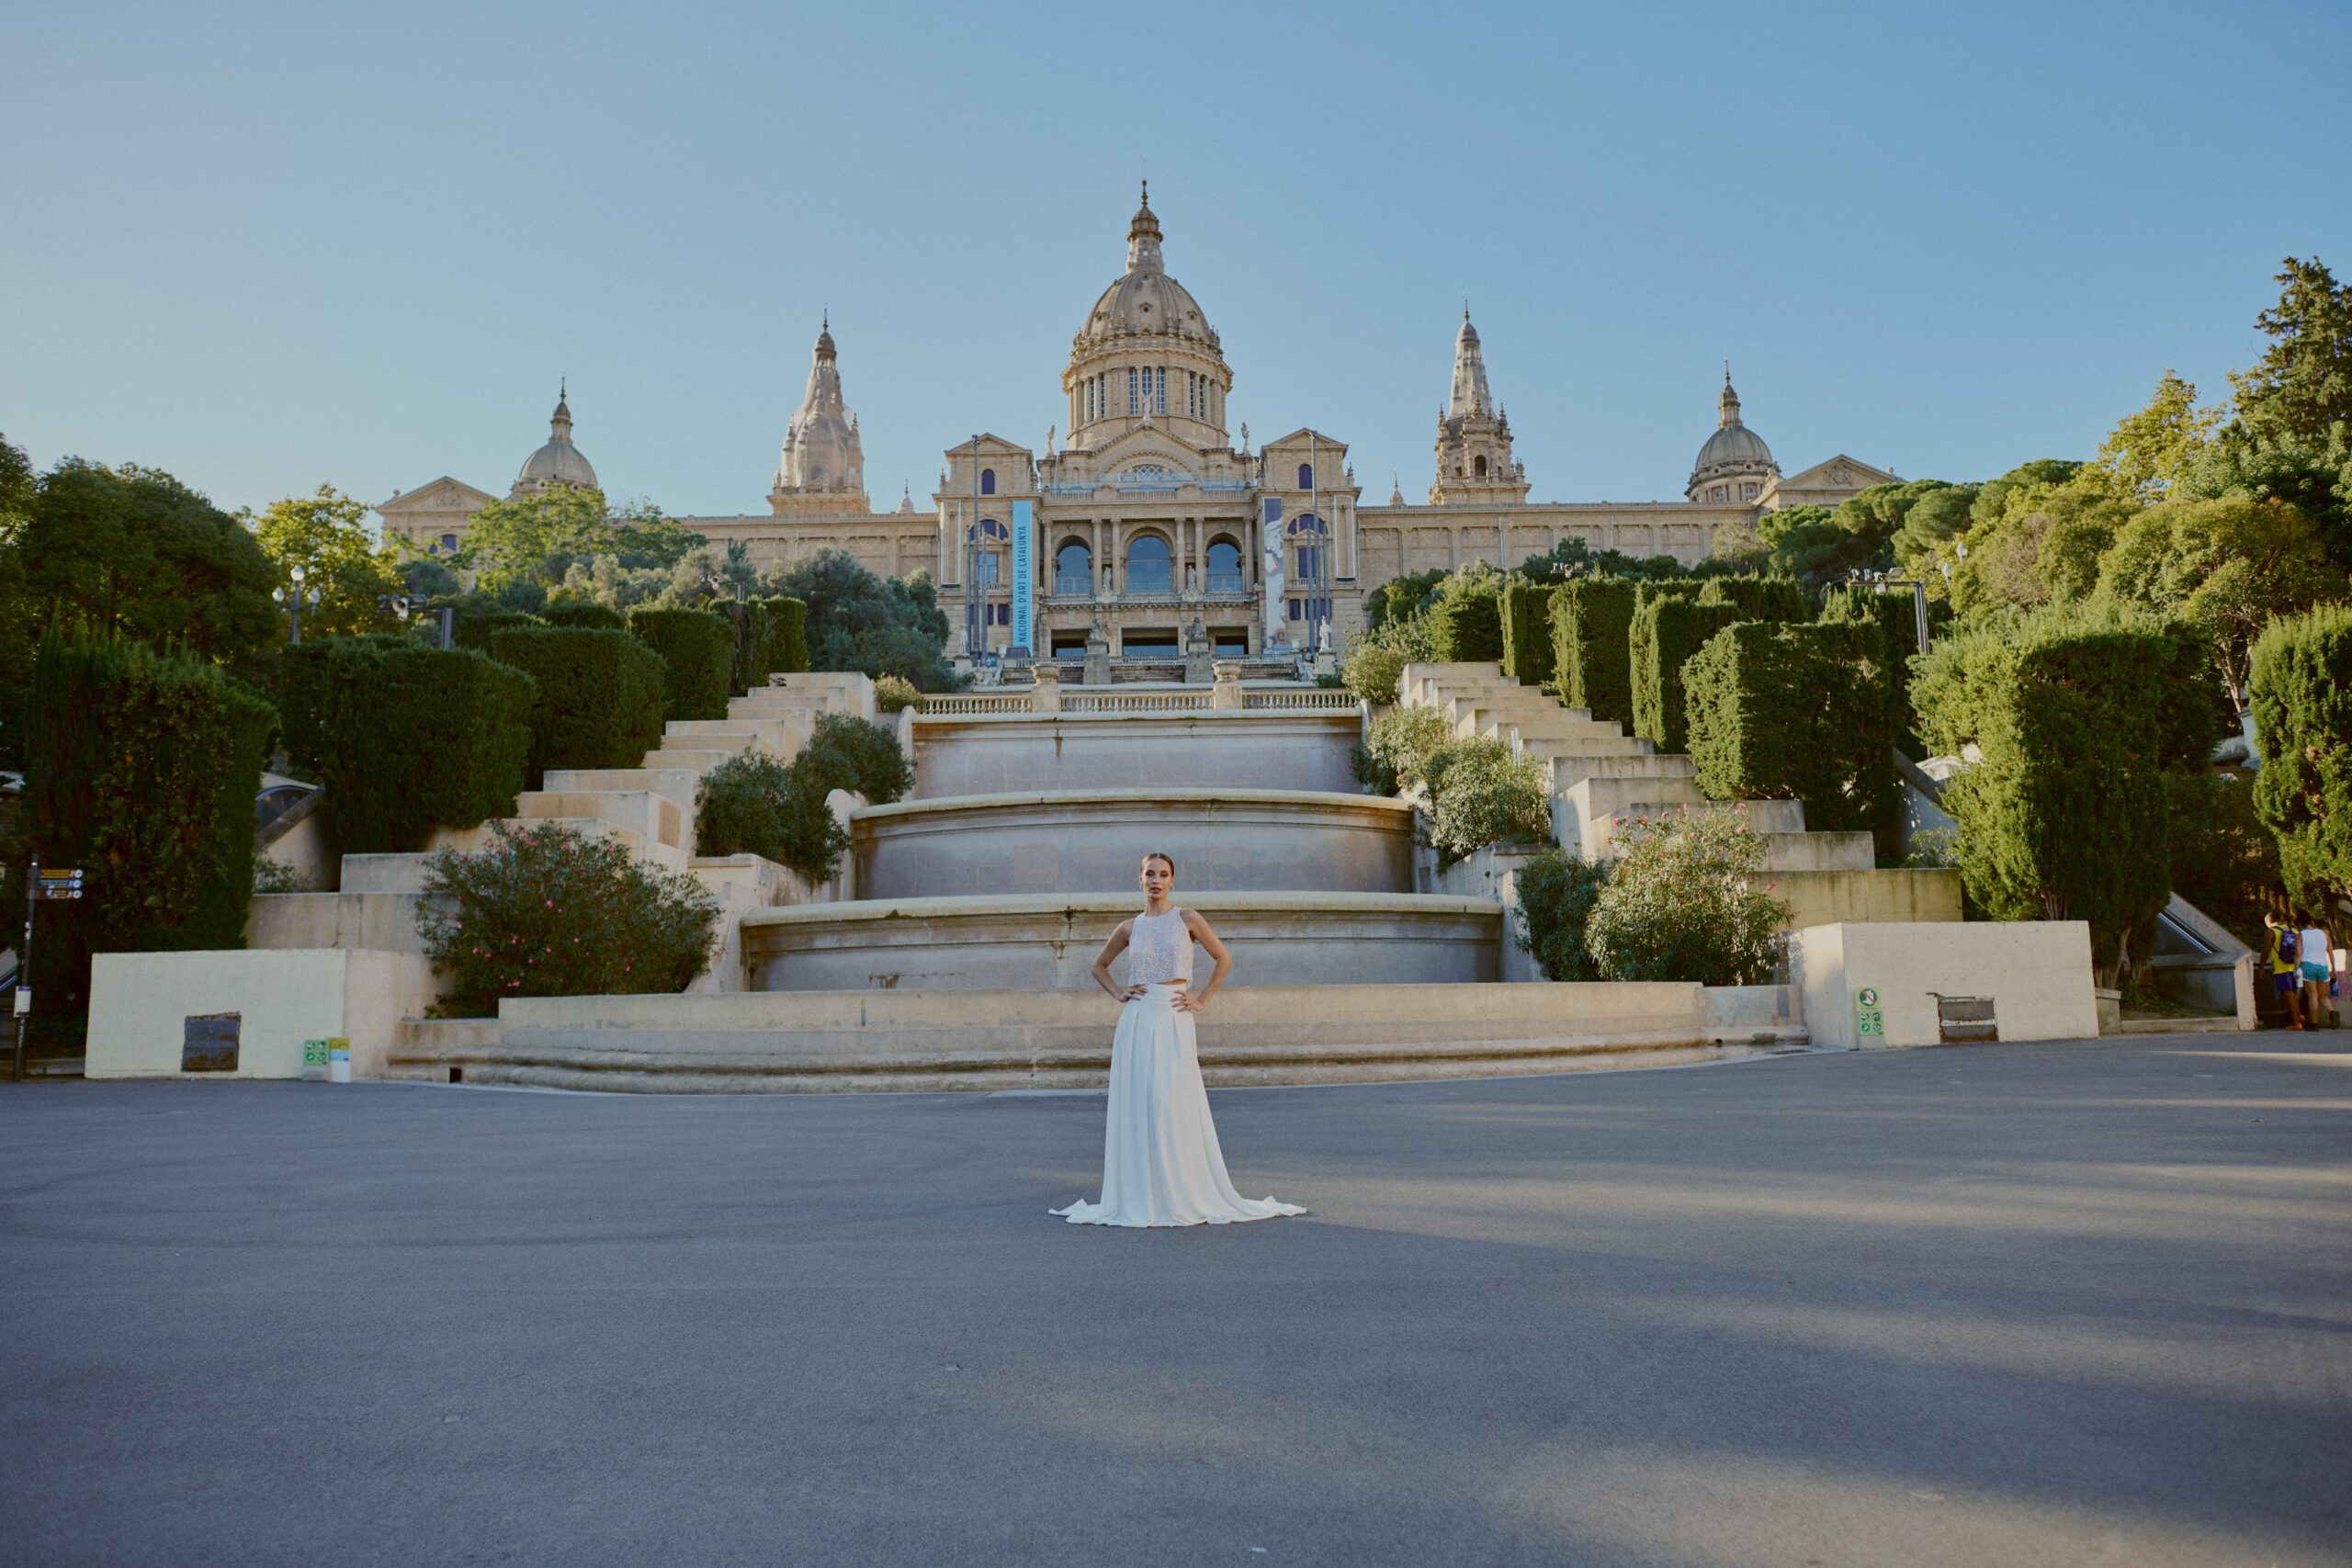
x: 1187, y: 1002
x: 1134, y: 993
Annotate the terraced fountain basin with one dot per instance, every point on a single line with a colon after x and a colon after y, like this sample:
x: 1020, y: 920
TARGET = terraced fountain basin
x: 1045, y: 941
x: 1073, y: 842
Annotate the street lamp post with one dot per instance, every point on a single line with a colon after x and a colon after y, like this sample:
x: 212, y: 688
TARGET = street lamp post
x: 293, y: 603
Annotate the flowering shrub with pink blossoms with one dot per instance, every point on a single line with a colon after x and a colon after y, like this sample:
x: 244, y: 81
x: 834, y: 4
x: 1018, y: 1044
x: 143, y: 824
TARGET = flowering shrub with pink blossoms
x: 1689, y: 900
x: 545, y: 911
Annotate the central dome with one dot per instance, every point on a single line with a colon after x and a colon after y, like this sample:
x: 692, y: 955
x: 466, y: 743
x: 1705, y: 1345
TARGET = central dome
x: 1145, y: 299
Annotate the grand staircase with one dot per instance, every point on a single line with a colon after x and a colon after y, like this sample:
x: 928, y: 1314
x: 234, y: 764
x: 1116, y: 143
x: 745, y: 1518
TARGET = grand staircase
x: 1601, y: 776
x: 649, y: 808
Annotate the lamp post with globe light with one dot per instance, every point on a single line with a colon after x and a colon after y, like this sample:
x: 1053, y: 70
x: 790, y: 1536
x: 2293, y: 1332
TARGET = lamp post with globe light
x: 294, y: 603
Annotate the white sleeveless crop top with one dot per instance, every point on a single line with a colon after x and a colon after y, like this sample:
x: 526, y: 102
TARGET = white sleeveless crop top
x: 1159, y: 948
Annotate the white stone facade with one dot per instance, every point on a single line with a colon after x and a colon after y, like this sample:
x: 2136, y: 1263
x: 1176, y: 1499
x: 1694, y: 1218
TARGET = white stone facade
x: 1153, y: 528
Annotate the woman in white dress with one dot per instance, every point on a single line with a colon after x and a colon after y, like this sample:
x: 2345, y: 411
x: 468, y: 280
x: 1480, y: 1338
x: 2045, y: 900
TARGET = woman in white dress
x: 1161, y: 1165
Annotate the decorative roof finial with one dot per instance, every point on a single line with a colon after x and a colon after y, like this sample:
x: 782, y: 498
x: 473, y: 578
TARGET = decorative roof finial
x: 1147, y: 193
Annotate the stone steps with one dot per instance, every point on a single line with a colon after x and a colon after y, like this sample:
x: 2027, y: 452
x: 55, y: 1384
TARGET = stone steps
x: 674, y: 784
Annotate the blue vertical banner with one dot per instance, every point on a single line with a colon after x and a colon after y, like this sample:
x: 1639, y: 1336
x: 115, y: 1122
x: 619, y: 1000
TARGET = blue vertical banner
x: 1024, y: 576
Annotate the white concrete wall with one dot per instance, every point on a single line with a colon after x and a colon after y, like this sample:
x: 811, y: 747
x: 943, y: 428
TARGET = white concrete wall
x: 140, y: 1002
x: 2037, y: 972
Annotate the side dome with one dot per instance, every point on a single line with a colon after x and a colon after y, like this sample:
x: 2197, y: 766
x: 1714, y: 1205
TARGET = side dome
x: 1145, y: 299
x: 559, y: 462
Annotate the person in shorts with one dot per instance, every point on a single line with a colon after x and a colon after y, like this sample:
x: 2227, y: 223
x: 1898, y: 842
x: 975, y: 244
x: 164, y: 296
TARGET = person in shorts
x: 2316, y: 962
x: 2283, y: 951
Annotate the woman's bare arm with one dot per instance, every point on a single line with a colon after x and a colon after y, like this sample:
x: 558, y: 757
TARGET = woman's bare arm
x: 1190, y: 1001
x: 1102, y: 970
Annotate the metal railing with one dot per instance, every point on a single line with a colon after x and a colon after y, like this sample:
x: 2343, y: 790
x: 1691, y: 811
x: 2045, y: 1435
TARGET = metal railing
x: 1073, y: 587
x: 1224, y: 583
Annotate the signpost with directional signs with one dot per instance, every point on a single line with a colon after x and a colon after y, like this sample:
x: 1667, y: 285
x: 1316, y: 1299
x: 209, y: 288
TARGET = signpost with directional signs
x: 40, y: 884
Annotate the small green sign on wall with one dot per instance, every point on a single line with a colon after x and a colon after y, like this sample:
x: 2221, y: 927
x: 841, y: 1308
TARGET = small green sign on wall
x: 1868, y: 1017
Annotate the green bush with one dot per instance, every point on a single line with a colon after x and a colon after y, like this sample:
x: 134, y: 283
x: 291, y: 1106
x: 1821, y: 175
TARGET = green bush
x: 1689, y: 900
x: 478, y: 620
x: 601, y: 695
x: 896, y: 693
x: 1527, y: 631
x: 141, y: 768
x: 407, y: 738
x: 2300, y: 687
x: 1592, y: 623
x: 1796, y: 713
x: 1466, y: 622
x: 751, y: 803
x: 1376, y: 658
x: 849, y: 753
x: 1667, y: 629
x: 1557, y: 891
x: 787, y: 636
x: 1401, y: 598
x: 2078, y: 719
x: 581, y: 613
x: 1759, y: 598
x: 698, y: 649
x: 1395, y: 747
x: 1486, y: 793
x: 1898, y: 623
x: 545, y: 911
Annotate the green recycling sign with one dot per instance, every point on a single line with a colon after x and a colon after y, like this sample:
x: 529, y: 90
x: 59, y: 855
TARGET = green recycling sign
x: 1868, y: 1018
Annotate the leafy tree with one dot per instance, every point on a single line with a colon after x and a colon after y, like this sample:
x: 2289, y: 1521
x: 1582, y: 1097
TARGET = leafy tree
x: 134, y: 551
x: 1402, y: 598
x: 522, y: 548
x: 2151, y: 451
x: 2301, y: 388
x: 2227, y: 567
x: 2302, y: 701
x: 2042, y: 548
x: 326, y: 536
x: 2315, y: 478
x: 860, y: 620
x: 1465, y: 616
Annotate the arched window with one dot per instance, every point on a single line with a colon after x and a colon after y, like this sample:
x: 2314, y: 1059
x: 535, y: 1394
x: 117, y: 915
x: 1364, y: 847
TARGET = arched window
x: 1479, y: 467
x: 1306, y: 476
x: 1148, y: 566
x: 988, y: 481
x: 1224, y: 567
x: 1073, y: 569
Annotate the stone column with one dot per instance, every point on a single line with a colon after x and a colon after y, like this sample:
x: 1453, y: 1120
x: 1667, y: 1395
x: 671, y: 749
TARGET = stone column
x: 1118, y: 559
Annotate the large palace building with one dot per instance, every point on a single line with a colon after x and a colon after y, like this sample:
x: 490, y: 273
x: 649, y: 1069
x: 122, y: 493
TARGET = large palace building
x: 1149, y: 527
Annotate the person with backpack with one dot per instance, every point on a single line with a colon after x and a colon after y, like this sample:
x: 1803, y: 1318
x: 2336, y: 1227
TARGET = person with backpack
x: 2284, y: 950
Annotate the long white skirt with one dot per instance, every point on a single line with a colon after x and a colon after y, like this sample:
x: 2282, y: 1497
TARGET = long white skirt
x: 1161, y: 1165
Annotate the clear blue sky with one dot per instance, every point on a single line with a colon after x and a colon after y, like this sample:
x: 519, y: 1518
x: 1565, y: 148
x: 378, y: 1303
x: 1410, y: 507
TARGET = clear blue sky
x: 268, y: 247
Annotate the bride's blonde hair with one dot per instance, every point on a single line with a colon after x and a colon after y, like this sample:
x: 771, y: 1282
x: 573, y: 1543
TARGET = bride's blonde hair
x: 1157, y: 855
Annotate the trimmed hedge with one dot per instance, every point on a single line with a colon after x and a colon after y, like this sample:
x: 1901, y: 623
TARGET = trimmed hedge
x: 597, y: 617
x: 753, y: 804
x: 698, y: 649
x: 1667, y: 629
x: 2065, y: 819
x: 1780, y: 712
x: 1898, y: 625
x: 1527, y: 631
x: 476, y: 624
x: 1592, y: 622
x: 787, y: 641
x: 1759, y: 598
x: 601, y: 695
x: 141, y: 768
x: 407, y: 738
x: 2301, y: 690
x: 1465, y: 623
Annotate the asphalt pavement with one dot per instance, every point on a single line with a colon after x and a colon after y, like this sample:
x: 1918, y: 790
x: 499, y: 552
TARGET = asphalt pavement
x: 2078, y: 1304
